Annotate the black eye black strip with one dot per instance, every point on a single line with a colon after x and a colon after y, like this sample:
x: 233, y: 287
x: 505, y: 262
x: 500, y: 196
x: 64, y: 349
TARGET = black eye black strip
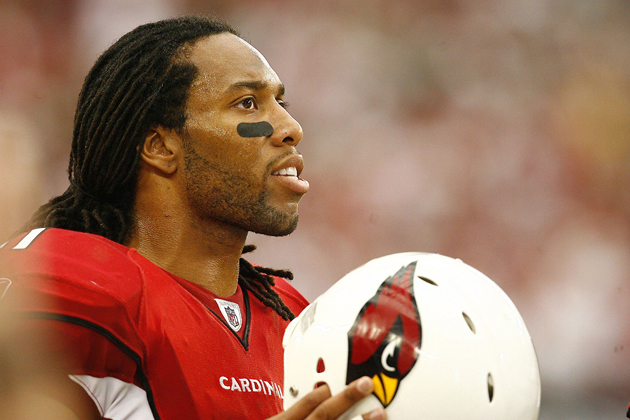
x: 257, y: 129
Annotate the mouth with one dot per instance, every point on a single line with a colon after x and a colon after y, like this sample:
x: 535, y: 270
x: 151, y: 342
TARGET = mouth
x: 288, y: 173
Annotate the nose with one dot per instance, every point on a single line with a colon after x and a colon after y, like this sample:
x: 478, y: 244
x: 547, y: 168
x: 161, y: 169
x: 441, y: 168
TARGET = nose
x: 286, y: 130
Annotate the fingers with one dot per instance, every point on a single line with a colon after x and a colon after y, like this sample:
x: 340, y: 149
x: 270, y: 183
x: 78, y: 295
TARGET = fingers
x: 378, y: 414
x: 353, y: 393
x: 305, y: 406
x: 340, y: 403
x: 318, y: 405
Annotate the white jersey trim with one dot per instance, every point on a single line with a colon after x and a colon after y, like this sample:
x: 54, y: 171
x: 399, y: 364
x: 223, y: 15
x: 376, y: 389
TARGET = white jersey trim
x: 30, y: 237
x: 116, y: 399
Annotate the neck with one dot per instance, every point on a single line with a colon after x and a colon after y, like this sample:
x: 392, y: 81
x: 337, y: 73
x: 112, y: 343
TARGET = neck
x: 207, y: 254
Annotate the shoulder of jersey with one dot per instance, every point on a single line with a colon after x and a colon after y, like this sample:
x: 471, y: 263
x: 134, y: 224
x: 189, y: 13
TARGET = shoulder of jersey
x: 290, y: 293
x: 74, y: 257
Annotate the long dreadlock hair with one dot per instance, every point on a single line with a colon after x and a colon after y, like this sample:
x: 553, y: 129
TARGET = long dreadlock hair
x: 141, y: 81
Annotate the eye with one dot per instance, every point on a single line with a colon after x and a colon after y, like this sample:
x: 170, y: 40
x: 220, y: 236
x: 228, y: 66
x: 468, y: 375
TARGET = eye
x: 247, y: 103
x: 282, y: 103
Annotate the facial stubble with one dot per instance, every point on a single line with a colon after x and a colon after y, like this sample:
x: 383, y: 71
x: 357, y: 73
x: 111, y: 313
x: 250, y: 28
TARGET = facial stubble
x: 233, y: 196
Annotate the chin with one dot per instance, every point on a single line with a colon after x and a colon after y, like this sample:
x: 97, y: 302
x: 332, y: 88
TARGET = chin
x: 279, y: 226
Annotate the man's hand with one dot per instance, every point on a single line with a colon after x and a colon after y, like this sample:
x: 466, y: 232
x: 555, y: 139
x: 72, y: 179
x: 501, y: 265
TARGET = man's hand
x: 319, y: 405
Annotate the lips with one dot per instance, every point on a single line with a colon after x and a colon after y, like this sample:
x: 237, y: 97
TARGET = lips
x: 288, y: 173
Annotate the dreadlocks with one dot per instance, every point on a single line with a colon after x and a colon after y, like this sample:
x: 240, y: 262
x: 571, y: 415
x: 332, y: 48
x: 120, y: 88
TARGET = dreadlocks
x: 141, y: 81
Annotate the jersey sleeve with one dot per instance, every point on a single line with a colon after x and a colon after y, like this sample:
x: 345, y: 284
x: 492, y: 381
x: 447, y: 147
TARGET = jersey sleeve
x: 77, y: 278
x: 109, y: 374
x: 84, y: 295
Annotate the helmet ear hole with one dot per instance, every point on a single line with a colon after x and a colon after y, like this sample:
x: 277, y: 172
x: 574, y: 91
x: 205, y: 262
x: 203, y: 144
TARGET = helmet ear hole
x: 471, y: 325
x: 321, y: 366
x: 490, y: 387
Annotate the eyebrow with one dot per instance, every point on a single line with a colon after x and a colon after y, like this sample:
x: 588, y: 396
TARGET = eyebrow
x: 254, y: 85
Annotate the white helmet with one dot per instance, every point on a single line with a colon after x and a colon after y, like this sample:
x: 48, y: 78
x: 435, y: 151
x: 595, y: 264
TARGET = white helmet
x: 440, y: 340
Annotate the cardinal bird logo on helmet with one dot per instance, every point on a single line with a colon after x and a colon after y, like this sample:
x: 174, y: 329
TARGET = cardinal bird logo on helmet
x: 384, y: 341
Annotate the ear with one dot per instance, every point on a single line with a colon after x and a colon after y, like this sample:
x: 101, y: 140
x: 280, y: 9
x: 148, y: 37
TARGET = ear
x: 161, y: 149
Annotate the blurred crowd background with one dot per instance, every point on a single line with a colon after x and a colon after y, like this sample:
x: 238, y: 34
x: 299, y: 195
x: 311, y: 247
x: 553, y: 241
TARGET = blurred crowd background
x: 495, y: 131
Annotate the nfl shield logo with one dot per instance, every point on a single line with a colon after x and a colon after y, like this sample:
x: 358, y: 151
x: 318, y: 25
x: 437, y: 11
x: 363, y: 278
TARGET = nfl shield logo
x: 231, y: 317
x: 232, y: 313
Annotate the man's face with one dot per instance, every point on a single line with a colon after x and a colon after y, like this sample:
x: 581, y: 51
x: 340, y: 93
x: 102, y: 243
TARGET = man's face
x: 241, y: 181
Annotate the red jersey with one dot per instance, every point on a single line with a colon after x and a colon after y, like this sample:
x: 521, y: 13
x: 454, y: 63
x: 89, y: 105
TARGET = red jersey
x: 144, y: 343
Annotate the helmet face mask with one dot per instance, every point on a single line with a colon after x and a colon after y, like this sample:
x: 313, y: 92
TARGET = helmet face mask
x: 439, y: 339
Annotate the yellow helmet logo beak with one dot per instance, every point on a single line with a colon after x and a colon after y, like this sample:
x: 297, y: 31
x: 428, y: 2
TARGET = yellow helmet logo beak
x: 384, y: 388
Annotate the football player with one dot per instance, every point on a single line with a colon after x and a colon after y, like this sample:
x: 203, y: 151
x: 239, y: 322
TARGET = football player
x: 182, y: 145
